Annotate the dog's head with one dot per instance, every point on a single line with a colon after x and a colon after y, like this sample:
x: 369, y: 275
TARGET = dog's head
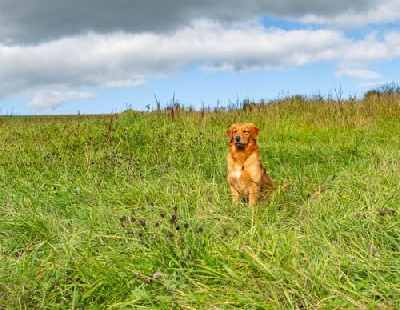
x: 242, y: 134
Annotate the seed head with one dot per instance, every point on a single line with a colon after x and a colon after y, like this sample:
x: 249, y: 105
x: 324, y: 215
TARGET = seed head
x: 122, y: 221
x: 173, y: 218
x: 199, y: 230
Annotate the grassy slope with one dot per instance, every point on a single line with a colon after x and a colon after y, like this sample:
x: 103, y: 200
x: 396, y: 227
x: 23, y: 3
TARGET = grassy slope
x: 87, y: 211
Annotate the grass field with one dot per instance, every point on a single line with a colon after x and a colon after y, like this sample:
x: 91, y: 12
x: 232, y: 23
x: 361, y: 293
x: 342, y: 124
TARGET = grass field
x: 134, y: 210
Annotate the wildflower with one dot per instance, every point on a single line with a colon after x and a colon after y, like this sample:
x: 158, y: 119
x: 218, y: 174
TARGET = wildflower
x: 199, y: 230
x: 173, y: 218
x: 122, y: 221
x: 383, y: 212
x: 156, y: 275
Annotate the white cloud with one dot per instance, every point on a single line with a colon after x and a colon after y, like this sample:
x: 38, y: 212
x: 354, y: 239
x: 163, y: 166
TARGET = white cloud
x: 359, y: 73
x: 124, y: 83
x: 54, y: 99
x: 373, y: 49
x: 122, y: 59
x: 386, y: 11
x: 128, y: 60
x: 371, y: 85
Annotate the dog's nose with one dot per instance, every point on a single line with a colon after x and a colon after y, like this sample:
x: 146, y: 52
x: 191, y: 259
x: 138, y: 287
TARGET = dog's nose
x: 237, y: 138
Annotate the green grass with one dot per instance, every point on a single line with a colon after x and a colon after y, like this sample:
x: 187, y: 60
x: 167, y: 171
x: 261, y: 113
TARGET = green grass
x: 134, y: 210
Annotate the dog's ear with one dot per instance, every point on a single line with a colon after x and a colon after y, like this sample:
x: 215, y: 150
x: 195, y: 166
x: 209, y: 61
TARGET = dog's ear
x: 254, y: 131
x: 230, y: 133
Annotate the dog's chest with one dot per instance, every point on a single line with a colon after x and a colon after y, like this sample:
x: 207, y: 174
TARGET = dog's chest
x: 237, y: 172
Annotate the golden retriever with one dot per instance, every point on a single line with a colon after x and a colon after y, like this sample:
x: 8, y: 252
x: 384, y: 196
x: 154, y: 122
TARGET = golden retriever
x: 245, y: 172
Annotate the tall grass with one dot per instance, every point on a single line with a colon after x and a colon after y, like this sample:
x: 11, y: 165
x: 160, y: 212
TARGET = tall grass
x: 134, y: 210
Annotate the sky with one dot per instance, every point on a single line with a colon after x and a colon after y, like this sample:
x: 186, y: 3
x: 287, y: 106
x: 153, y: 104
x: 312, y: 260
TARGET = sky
x: 101, y: 56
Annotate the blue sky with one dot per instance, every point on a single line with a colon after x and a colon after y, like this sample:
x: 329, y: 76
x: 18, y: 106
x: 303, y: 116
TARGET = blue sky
x: 58, y: 59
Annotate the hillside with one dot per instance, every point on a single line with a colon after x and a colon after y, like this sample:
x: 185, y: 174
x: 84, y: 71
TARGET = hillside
x: 134, y: 210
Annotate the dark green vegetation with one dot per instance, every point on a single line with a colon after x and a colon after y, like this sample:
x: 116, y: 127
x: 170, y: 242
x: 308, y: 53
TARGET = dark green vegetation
x: 134, y: 210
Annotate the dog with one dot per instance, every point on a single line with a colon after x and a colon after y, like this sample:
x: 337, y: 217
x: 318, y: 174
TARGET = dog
x: 245, y: 172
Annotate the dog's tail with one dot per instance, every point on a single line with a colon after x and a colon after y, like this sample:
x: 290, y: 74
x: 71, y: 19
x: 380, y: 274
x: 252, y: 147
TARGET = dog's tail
x: 265, y: 179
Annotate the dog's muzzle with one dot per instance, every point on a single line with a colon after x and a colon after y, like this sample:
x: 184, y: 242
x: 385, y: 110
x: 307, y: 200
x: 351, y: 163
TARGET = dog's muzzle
x: 239, y: 142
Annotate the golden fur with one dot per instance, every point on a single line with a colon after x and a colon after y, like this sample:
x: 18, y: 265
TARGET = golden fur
x: 245, y: 172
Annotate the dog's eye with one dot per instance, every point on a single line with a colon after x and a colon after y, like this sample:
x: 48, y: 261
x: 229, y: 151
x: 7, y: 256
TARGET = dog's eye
x: 245, y: 131
x: 234, y: 131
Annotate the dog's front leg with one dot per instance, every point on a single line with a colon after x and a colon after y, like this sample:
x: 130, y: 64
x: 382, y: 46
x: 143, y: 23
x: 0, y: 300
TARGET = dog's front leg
x: 235, y: 194
x: 253, y: 194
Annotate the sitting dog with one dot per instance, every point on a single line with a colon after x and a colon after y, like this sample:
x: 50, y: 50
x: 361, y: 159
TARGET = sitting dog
x: 245, y: 172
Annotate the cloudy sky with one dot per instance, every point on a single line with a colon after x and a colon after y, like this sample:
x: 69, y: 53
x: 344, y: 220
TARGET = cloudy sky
x: 101, y: 56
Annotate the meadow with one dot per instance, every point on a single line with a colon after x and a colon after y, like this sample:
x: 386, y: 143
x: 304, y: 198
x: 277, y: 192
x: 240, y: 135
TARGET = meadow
x: 133, y: 210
